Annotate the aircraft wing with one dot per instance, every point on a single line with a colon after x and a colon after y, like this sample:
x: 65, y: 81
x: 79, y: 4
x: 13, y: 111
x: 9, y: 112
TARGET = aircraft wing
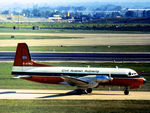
x: 74, y: 81
x: 89, y: 81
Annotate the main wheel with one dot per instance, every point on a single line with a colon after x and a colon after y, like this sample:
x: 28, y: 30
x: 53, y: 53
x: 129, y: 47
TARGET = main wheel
x: 89, y: 90
x: 81, y: 91
x: 126, y: 92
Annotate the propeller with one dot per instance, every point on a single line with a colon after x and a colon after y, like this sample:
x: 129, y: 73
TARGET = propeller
x: 110, y: 78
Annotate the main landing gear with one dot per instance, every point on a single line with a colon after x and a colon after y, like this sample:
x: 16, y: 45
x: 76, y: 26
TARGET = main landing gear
x: 83, y: 91
x: 126, y: 91
x: 89, y: 90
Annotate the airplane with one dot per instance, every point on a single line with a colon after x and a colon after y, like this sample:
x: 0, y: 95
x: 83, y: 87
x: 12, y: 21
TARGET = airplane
x: 84, y: 78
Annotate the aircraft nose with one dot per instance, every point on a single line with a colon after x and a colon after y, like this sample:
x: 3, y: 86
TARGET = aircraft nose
x: 144, y: 81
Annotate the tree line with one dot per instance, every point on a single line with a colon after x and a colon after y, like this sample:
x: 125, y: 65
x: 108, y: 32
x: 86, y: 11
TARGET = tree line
x: 80, y: 26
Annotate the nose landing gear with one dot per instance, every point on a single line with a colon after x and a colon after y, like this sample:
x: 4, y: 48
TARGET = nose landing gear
x: 126, y: 91
x: 89, y: 90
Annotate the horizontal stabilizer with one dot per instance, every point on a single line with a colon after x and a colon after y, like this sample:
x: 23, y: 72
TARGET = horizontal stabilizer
x: 25, y: 76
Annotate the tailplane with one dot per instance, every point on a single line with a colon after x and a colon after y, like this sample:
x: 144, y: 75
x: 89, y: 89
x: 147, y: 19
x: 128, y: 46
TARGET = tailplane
x: 23, y: 58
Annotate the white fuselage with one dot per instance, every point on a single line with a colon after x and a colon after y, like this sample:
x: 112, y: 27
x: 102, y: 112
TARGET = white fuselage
x: 75, y: 70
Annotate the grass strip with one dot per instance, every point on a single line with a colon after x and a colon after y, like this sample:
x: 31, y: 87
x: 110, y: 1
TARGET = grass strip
x: 5, y: 37
x: 62, y: 48
x: 10, y: 29
x: 74, y: 106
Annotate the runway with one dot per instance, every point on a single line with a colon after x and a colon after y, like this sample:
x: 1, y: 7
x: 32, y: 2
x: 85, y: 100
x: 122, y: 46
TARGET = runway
x: 63, y: 94
x: 105, y: 57
x: 83, y: 39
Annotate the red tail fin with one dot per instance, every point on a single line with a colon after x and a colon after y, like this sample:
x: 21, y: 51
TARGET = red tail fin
x: 23, y: 58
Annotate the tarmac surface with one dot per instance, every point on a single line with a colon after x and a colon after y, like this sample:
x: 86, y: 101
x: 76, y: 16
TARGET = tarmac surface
x: 69, y: 95
x: 101, y: 57
x: 84, y: 39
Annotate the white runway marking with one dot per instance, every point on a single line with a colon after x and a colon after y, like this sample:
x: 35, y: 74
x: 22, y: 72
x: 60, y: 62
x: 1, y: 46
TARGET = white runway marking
x: 63, y: 94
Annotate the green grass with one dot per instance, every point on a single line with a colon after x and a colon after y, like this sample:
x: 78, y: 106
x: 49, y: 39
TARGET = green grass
x: 6, y: 37
x: 123, y: 48
x: 74, y: 106
x: 102, y: 26
x: 7, y: 82
x: 10, y: 30
x: 67, y: 106
x: 137, y: 48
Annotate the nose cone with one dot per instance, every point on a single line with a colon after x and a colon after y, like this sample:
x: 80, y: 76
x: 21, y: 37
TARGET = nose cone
x: 144, y: 80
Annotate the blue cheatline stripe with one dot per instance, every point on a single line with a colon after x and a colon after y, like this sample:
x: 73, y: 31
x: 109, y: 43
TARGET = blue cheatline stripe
x: 102, y: 77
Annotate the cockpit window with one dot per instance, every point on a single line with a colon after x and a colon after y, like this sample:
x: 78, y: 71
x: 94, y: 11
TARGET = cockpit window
x: 132, y: 74
x: 129, y: 73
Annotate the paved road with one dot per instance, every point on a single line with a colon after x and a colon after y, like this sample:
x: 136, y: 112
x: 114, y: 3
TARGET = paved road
x: 63, y: 94
x: 131, y: 57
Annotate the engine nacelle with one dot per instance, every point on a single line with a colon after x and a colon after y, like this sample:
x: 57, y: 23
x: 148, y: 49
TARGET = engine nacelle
x: 103, y: 78
x: 92, y: 84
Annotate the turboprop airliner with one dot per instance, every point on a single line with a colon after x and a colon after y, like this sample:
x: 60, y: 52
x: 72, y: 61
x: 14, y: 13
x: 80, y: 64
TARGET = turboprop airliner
x: 84, y: 78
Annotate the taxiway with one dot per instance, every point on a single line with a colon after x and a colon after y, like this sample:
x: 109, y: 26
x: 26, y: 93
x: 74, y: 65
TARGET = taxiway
x: 67, y: 94
x: 101, y: 57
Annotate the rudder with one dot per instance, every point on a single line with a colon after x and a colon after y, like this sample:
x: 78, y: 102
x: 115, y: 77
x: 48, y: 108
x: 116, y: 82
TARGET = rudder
x: 23, y: 58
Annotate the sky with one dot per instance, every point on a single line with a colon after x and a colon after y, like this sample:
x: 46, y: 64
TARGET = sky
x: 66, y: 1
x: 14, y: 4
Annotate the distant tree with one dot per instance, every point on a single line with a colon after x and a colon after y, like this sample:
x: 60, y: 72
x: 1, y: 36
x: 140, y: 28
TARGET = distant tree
x: 78, y: 15
x: 109, y: 8
x: 46, y: 13
x: 144, y: 13
x: 27, y: 12
x: 99, y: 15
x: 147, y: 13
x: 79, y: 8
x: 36, y: 13
x: 64, y: 8
x: 117, y: 8
x: 16, y: 13
x: 6, y: 12
x: 115, y: 14
x: 130, y: 14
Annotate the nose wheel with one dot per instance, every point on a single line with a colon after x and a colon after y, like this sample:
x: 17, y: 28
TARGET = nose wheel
x: 89, y: 90
x: 126, y: 91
